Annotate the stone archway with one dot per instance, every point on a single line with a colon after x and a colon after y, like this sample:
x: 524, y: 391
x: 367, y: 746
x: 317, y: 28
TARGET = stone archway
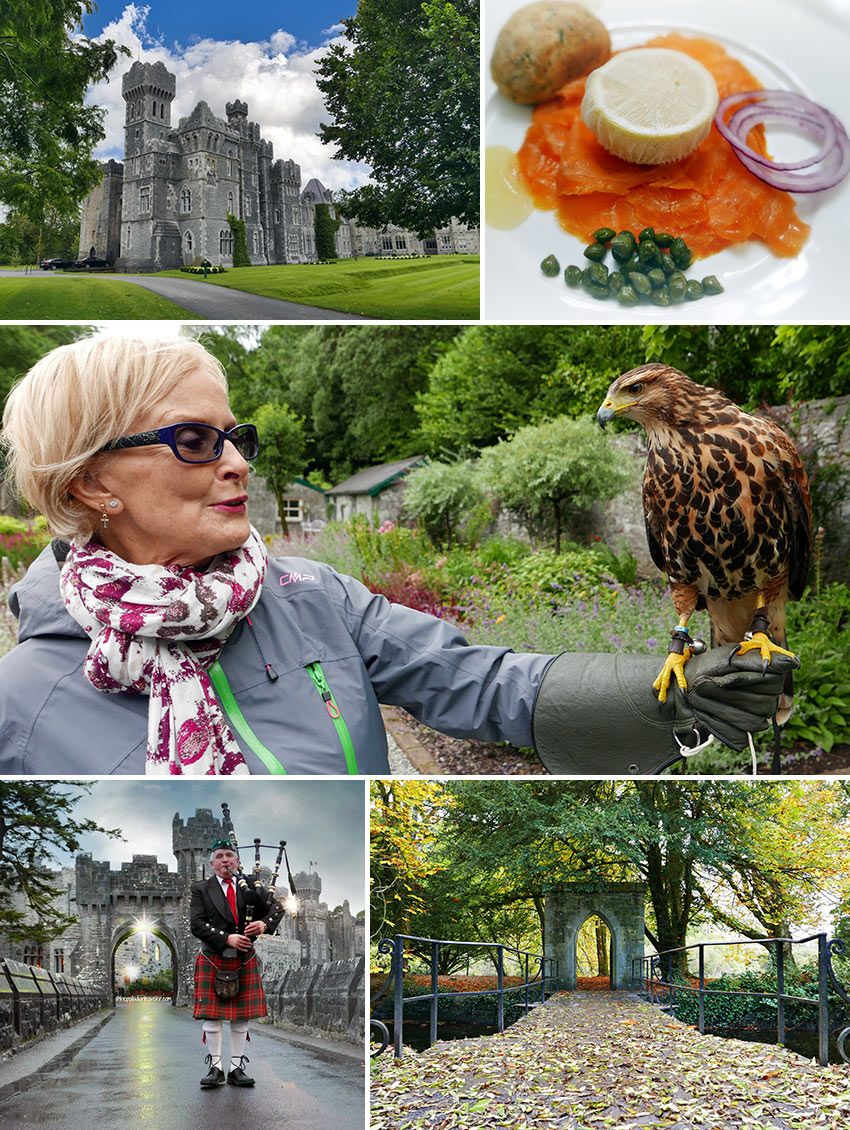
x: 619, y: 905
x: 126, y: 929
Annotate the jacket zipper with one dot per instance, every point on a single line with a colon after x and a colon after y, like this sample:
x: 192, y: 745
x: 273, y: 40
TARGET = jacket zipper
x: 318, y: 677
x: 234, y: 713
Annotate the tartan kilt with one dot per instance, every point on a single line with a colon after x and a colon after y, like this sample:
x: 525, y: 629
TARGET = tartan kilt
x: 249, y: 1002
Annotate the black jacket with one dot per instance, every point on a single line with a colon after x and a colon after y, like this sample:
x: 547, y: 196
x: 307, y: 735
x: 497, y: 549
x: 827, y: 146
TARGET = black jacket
x: 210, y: 919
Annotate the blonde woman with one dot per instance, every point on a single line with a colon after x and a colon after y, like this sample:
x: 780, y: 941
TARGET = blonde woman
x: 156, y: 635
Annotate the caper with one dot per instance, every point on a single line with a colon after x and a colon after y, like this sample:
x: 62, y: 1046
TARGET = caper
x: 622, y: 246
x: 677, y: 285
x: 661, y: 296
x: 600, y: 292
x: 711, y: 285
x: 647, y: 233
x: 604, y: 235
x: 627, y: 296
x: 550, y: 266
x: 667, y: 265
x: 647, y: 251
x: 663, y: 238
x: 616, y: 281
x: 572, y: 275
x: 656, y: 277
x: 596, y: 273
x: 595, y: 252
x: 680, y: 253
x: 694, y: 290
x: 640, y: 282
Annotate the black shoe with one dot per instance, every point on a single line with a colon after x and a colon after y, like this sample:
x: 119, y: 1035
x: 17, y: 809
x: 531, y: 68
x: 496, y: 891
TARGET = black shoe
x: 237, y: 1076
x: 214, y: 1077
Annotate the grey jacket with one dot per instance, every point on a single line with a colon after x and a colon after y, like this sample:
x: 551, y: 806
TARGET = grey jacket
x: 52, y: 721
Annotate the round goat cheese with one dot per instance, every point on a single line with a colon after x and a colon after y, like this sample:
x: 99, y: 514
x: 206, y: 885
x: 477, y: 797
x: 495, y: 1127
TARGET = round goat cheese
x: 650, y: 105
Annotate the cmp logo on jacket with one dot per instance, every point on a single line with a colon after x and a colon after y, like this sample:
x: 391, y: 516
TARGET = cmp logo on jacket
x: 292, y: 578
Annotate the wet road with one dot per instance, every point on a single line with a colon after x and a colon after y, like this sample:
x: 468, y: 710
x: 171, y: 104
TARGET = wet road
x: 143, y: 1067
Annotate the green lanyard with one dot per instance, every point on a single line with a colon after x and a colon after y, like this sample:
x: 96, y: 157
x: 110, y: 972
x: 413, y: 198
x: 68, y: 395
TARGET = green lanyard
x: 240, y: 724
x: 231, y: 707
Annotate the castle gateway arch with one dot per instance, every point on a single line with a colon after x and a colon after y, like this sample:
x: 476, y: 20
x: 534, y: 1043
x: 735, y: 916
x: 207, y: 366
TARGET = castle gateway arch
x: 619, y: 905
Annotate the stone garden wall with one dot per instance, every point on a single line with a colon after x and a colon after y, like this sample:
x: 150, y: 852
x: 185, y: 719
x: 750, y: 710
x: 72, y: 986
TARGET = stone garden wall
x: 35, y: 1002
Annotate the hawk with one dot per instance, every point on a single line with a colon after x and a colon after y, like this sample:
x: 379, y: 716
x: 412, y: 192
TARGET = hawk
x: 727, y: 510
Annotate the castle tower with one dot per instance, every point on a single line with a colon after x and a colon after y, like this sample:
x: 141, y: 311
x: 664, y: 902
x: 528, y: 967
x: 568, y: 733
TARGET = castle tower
x: 150, y: 237
x: 191, y: 844
x: 100, y: 222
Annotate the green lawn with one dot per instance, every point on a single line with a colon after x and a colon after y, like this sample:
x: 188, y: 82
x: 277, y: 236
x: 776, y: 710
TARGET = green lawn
x: 90, y: 300
x: 440, y: 287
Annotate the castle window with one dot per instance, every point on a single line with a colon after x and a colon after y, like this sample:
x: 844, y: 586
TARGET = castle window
x: 256, y: 242
x: 154, y: 107
x: 58, y: 961
x: 33, y: 955
x: 162, y: 109
x: 145, y: 198
x: 387, y: 243
x: 185, y: 201
x: 400, y: 242
x: 277, y: 215
x: 229, y: 163
x: 137, y: 163
x: 189, y: 242
x: 230, y: 203
x: 225, y: 241
x: 128, y: 241
x: 293, y: 245
x: 247, y: 205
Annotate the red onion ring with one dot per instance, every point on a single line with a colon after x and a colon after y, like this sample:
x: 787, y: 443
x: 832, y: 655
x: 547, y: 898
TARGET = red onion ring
x: 793, y: 109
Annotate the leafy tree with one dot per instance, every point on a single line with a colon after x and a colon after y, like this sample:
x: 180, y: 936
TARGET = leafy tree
x: 36, y: 816
x: 25, y: 242
x: 403, y: 97
x: 22, y: 345
x: 281, y: 456
x: 354, y: 386
x: 47, y: 133
x: 441, y: 496
x: 550, y: 472
x: 493, y: 379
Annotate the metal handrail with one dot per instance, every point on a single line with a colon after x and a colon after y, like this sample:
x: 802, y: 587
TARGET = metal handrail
x: 395, y: 947
x: 647, y: 974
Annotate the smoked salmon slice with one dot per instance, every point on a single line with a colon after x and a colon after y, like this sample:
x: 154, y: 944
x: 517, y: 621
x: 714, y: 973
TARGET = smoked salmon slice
x: 707, y: 198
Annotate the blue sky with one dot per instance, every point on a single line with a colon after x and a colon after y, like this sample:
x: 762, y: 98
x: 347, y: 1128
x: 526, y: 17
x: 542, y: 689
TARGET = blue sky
x: 322, y: 821
x: 263, y: 54
x: 222, y: 19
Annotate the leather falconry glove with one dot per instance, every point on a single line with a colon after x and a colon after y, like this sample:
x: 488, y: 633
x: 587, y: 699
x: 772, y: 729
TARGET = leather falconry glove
x: 597, y: 714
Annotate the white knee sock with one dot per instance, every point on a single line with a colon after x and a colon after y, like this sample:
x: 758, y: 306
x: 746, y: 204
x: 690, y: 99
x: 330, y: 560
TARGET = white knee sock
x: 238, y: 1036
x: 212, y: 1038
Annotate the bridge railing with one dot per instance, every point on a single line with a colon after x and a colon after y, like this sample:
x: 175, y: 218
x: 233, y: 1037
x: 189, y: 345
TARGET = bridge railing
x: 539, y: 972
x: 648, y: 978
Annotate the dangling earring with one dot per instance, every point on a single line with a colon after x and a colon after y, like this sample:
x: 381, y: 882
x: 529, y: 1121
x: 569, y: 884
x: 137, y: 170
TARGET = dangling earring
x: 104, y: 516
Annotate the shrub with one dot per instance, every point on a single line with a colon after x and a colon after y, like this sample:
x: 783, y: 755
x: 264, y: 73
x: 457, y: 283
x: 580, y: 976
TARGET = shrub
x: 325, y: 227
x: 442, y: 496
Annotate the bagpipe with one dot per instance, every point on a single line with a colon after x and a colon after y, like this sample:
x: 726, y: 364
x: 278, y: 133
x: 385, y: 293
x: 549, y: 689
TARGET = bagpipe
x: 251, y: 891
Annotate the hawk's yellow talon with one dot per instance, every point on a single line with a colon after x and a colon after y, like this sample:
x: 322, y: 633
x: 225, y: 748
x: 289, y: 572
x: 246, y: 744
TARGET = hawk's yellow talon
x: 765, y: 647
x: 673, y: 667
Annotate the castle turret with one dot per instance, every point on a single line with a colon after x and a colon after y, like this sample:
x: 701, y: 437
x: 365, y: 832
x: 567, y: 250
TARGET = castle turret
x: 150, y: 237
x: 191, y: 843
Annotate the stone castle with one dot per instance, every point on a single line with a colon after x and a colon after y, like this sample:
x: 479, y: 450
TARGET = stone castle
x: 113, y: 906
x: 166, y: 206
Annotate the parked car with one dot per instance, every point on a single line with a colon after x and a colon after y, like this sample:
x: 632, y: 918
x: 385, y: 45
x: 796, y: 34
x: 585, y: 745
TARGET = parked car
x: 91, y: 261
x: 57, y: 264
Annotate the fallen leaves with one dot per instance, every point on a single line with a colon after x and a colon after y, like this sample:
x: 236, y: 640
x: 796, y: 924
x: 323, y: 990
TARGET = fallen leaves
x: 577, y: 1063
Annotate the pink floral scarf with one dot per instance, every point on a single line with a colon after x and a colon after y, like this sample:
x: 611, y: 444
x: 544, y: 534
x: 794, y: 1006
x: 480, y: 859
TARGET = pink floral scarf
x: 156, y: 630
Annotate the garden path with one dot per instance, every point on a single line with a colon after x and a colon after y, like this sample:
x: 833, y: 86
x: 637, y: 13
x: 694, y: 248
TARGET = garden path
x: 604, y: 1059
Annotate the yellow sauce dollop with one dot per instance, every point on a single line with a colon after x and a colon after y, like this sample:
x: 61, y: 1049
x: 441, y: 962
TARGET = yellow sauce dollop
x: 506, y: 199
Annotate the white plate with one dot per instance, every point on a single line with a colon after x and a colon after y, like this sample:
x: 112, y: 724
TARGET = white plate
x: 784, y: 47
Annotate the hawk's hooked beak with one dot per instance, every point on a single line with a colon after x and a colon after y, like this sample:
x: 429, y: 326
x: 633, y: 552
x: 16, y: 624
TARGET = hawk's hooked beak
x: 605, y: 414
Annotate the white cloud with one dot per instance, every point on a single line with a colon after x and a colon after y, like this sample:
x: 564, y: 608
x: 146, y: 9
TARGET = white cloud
x: 275, y: 78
